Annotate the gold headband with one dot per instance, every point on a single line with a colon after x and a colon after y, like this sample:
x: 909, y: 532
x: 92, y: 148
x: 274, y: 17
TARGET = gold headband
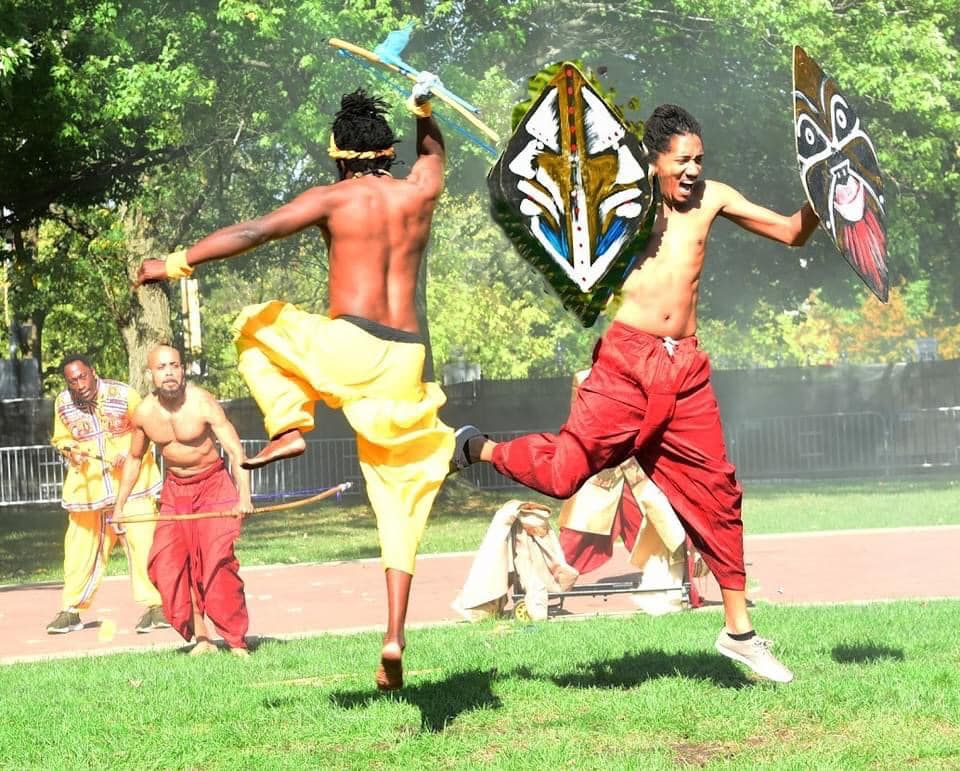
x: 349, y: 155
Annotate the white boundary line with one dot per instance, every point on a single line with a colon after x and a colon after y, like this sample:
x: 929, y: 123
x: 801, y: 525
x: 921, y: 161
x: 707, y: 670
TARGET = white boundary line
x: 378, y: 628
x: 854, y: 531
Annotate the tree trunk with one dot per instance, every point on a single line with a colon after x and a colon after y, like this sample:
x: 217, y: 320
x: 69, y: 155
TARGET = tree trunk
x: 148, y: 323
x: 34, y: 345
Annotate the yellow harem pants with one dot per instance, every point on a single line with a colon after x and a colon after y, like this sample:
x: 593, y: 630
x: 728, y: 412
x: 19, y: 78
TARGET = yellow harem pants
x: 87, y: 546
x: 291, y: 359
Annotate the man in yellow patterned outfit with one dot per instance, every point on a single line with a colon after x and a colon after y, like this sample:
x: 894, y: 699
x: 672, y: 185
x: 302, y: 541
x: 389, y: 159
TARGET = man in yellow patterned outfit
x: 367, y: 356
x: 92, y: 429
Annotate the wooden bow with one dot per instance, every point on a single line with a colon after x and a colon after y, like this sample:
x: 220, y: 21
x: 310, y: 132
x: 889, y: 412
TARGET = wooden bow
x: 343, y: 486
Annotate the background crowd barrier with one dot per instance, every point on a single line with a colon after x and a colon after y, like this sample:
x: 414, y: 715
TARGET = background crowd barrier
x: 835, y: 446
x: 35, y: 474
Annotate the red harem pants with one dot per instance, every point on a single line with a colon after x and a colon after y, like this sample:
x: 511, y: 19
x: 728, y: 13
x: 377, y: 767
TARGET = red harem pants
x: 641, y: 400
x: 195, y: 557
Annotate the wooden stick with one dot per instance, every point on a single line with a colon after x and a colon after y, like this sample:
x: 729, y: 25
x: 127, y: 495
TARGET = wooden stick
x: 65, y: 451
x: 363, y: 53
x: 217, y: 514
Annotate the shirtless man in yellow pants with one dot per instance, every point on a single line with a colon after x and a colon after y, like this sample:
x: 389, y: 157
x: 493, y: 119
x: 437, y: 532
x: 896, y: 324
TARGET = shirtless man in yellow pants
x: 92, y: 429
x: 367, y: 357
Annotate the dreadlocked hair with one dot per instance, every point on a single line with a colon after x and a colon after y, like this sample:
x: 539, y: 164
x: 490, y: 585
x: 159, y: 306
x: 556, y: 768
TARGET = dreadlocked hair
x: 667, y: 121
x: 360, y: 126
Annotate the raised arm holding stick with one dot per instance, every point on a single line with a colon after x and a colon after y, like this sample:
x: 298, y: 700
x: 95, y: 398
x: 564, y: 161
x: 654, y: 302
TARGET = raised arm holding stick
x: 367, y: 355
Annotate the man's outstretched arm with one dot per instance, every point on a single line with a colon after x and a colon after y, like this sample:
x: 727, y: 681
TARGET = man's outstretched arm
x: 131, y: 469
x: 307, y: 209
x: 793, y: 230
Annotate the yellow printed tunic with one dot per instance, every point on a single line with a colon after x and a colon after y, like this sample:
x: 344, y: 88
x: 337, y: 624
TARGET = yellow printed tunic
x: 106, y: 431
x: 292, y: 359
x: 89, y: 491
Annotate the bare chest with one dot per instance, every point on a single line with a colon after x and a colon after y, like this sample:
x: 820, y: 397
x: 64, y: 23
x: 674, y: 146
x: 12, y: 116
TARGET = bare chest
x: 176, y: 428
x: 678, y: 242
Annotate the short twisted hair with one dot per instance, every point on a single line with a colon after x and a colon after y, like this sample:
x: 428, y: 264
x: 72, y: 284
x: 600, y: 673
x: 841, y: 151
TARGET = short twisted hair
x: 667, y: 121
x: 360, y: 126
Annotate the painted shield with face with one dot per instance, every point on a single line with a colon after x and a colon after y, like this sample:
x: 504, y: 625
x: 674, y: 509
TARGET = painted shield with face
x: 572, y: 191
x: 840, y: 172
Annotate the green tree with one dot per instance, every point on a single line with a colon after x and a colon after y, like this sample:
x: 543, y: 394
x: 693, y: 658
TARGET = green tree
x: 127, y: 130
x: 729, y: 62
x: 490, y: 306
x: 184, y: 117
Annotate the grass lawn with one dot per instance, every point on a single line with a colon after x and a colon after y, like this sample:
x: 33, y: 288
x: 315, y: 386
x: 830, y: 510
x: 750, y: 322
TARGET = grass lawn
x: 31, y: 538
x: 877, y: 686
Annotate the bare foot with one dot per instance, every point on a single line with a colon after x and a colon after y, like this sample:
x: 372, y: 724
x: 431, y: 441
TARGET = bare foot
x: 203, y: 647
x: 240, y: 653
x: 289, y: 444
x: 390, y: 672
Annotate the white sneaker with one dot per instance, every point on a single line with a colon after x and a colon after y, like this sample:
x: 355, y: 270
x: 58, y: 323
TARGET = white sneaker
x: 755, y: 653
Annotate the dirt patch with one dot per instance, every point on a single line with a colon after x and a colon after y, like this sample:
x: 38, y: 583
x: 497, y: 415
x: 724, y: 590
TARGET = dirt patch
x: 700, y: 753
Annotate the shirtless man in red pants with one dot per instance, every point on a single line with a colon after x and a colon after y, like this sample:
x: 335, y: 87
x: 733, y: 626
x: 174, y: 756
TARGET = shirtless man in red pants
x: 192, y: 563
x: 649, y: 391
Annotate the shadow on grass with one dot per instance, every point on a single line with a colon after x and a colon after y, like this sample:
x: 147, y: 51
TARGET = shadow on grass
x: 637, y: 668
x: 439, y: 702
x: 254, y: 643
x: 865, y: 653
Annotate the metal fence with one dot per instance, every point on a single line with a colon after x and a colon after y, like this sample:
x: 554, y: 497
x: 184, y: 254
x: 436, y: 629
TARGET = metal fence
x: 30, y: 474
x: 927, y: 438
x: 35, y: 474
x: 846, y: 444
x: 327, y: 462
x: 809, y: 445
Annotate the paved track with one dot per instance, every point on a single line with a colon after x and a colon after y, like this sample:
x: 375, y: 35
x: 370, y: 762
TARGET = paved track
x: 303, y: 600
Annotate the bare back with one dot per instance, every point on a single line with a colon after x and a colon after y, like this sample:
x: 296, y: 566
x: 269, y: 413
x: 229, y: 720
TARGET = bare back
x: 376, y: 231
x: 183, y: 435
x: 375, y: 227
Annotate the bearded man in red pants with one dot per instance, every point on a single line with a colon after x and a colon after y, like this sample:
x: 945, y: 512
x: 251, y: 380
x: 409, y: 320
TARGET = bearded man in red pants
x: 192, y: 562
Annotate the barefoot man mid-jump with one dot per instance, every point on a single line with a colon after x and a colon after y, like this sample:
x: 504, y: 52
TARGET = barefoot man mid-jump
x: 367, y: 357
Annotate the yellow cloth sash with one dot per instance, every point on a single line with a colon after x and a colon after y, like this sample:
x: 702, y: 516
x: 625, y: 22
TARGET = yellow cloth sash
x: 177, y: 266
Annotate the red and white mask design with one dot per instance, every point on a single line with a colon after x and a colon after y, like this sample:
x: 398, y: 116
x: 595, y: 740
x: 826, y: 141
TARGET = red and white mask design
x: 840, y: 172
